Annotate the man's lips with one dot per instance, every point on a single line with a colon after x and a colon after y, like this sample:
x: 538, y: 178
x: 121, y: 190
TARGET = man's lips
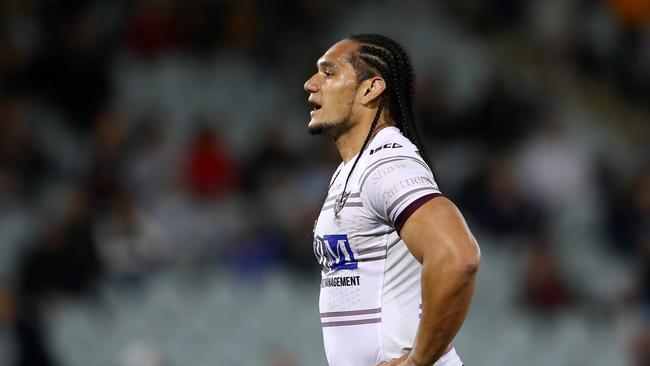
x: 315, y: 105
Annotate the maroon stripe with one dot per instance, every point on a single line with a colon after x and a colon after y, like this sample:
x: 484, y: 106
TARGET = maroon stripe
x: 347, y: 204
x: 371, y: 250
x: 350, y: 312
x: 350, y: 322
x: 352, y: 195
x: 410, y: 209
x: 406, y: 196
x: 372, y: 259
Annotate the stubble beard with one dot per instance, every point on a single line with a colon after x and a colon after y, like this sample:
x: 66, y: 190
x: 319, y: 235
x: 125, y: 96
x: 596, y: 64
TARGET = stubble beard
x: 333, y: 129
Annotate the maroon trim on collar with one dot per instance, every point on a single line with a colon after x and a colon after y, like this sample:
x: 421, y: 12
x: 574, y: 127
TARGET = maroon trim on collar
x: 411, y: 208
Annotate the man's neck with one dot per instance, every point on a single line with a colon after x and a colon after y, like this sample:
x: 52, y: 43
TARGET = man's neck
x: 349, y: 144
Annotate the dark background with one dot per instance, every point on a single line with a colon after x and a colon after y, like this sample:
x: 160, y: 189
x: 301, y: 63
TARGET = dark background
x: 158, y: 188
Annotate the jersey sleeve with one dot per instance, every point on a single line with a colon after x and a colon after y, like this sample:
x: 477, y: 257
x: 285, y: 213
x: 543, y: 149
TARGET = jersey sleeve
x: 395, y: 187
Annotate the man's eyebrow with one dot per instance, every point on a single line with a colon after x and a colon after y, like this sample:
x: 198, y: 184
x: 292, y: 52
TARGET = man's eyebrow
x: 324, y: 64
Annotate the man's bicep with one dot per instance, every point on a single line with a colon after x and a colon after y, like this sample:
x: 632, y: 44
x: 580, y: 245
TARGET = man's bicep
x: 438, y: 229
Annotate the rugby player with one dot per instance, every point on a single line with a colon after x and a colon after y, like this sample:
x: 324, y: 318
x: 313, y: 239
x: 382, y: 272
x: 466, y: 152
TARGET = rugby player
x: 398, y: 260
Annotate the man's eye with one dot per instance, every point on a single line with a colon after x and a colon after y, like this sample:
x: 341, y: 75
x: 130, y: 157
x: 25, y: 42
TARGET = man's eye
x: 328, y: 74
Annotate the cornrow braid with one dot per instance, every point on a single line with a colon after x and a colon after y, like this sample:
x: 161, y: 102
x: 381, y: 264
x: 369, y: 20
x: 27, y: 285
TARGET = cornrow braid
x: 378, y: 55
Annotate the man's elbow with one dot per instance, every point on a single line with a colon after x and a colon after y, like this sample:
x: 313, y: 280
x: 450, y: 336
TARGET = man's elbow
x: 470, y: 260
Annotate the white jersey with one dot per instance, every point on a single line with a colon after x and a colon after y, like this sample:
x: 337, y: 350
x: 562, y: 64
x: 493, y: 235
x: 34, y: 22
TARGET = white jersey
x: 370, y: 303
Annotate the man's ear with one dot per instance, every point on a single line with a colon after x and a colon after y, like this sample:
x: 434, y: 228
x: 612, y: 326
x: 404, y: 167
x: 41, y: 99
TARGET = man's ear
x: 372, y: 89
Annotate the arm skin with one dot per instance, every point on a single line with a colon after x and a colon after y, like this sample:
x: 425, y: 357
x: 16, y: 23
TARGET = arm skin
x: 438, y: 237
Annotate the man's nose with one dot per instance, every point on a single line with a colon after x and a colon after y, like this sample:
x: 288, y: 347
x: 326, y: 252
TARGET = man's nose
x: 310, y: 85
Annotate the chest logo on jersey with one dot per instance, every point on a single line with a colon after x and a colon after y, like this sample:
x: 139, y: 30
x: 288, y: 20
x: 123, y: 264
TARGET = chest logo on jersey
x: 333, y: 252
x: 393, y: 145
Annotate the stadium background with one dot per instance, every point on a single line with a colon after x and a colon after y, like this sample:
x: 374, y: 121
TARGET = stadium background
x: 158, y: 187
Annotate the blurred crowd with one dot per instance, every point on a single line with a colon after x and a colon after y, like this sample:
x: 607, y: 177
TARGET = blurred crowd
x: 93, y: 189
x: 606, y: 40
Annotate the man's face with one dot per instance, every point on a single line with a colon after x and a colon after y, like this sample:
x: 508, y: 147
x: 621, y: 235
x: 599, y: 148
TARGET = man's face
x: 332, y: 91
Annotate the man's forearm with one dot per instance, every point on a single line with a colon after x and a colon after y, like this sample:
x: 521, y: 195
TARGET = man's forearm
x: 447, y: 290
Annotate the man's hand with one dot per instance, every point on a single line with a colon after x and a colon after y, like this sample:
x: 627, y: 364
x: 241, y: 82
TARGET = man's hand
x: 402, y: 361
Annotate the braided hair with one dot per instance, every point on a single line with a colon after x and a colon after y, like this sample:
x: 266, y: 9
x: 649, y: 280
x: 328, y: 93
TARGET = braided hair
x: 378, y: 55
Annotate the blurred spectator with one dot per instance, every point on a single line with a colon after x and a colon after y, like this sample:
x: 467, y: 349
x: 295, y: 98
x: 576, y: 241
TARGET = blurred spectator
x: 637, y: 294
x: 44, y: 272
x: 109, y: 146
x: 628, y: 214
x: 292, y: 198
x: 23, y: 166
x: 130, y: 244
x: 545, y: 288
x: 495, y: 200
x: 556, y: 168
x: 434, y: 110
x: 63, y: 258
x: 210, y: 171
x: 150, y: 163
x: 257, y: 249
x: 501, y: 116
x: 32, y: 348
x: 62, y: 261
x: 272, y: 156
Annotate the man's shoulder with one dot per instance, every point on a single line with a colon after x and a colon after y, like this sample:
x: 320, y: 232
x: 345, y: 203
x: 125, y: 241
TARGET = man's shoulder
x: 392, y: 152
x: 390, y: 144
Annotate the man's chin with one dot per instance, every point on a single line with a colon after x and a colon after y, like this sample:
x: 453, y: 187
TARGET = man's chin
x: 319, y: 128
x: 329, y: 129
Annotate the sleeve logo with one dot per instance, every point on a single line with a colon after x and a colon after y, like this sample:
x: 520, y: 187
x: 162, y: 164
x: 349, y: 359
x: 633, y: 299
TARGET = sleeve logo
x: 333, y: 252
x: 393, y: 145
